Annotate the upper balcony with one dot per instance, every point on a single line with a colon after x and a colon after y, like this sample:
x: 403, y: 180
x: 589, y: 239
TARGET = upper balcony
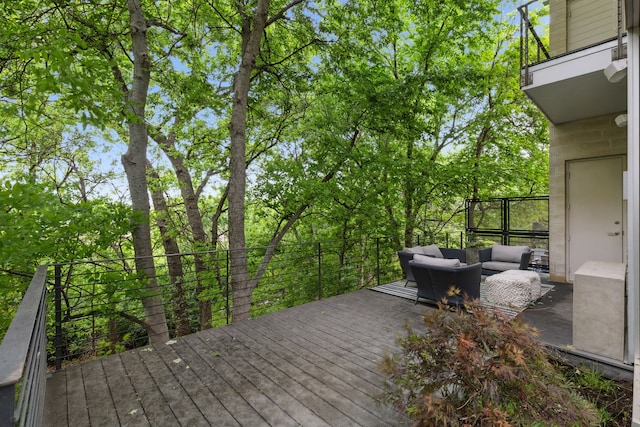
x: 582, y: 73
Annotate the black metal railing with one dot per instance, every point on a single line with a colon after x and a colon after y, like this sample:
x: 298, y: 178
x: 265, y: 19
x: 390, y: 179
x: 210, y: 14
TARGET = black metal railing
x: 98, y: 310
x: 532, y: 49
x: 509, y: 221
x: 23, y: 358
x: 98, y: 307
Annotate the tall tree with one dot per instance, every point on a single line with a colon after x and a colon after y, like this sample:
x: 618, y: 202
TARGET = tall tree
x: 135, y: 164
x: 79, y: 57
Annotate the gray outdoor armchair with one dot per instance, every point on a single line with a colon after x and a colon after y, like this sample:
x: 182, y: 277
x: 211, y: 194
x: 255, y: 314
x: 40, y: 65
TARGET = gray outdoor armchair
x: 407, y: 254
x: 435, y: 281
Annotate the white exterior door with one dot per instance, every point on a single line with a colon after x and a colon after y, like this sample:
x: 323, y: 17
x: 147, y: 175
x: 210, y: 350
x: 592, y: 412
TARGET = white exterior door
x: 595, y: 212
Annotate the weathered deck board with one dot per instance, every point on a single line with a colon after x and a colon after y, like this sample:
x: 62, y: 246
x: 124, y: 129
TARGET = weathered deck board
x: 99, y: 399
x: 125, y: 399
x: 76, y: 401
x: 57, y: 386
x: 312, y: 365
x: 155, y: 408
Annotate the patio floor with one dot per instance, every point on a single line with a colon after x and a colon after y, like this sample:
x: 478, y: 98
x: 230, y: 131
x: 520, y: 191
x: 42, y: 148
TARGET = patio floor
x: 310, y: 365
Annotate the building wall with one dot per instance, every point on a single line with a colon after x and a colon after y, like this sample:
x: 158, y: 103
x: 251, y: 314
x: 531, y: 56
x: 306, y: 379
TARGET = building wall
x: 557, y: 27
x: 584, y: 139
x: 575, y: 24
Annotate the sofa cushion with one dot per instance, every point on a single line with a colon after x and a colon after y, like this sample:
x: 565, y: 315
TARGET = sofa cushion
x: 502, y: 253
x: 500, y: 265
x: 432, y: 250
x: 413, y: 250
x: 442, y: 262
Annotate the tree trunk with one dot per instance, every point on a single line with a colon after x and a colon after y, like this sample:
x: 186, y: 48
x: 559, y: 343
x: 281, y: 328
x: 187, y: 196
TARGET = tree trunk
x: 471, y: 214
x: 134, y: 162
x: 409, y: 194
x: 190, y: 199
x: 174, y: 261
x: 252, y: 29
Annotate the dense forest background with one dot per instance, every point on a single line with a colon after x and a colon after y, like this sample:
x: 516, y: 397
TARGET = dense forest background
x: 140, y: 128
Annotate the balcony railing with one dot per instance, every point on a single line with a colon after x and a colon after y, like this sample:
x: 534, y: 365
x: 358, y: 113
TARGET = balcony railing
x: 532, y: 49
x: 98, y: 308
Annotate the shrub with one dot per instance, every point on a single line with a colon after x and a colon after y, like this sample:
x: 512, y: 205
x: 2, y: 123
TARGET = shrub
x: 474, y: 368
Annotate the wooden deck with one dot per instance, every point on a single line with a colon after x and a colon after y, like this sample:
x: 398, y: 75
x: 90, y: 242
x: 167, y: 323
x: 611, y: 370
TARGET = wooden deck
x: 312, y: 365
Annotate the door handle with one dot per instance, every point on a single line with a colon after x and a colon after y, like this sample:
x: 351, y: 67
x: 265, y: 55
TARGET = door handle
x: 617, y: 233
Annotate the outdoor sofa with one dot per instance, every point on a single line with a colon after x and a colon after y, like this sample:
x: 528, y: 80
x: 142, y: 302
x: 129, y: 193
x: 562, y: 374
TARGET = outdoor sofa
x: 435, y: 279
x: 499, y: 258
x: 434, y: 251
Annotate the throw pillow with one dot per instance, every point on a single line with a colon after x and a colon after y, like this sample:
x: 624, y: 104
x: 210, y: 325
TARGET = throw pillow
x: 432, y: 250
x: 442, y: 262
x: 505, y: 253
x: 414, y: 250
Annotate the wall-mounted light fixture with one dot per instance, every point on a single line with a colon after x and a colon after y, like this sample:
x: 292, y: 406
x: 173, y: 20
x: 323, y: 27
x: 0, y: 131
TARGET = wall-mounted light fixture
x: 616, y: 71
x: 621, y: 120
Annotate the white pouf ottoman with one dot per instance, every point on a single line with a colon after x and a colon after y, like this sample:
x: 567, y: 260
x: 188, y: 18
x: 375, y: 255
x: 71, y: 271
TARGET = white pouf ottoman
x: 516, y: 288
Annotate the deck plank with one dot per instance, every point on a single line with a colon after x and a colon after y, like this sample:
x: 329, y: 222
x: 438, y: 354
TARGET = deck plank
x: 165, y: 374
x: 223, y: 364
x: 335, y: 389
x: 154, y: 404
x: 316, y: 365
x: 274, y: 367
x: 211, y: 408
x: 76, y: 401
x: 125, y: 399
x: 57, y: 386
x: 200, y: 360
x: 239, y: 355
x: 99, y: 399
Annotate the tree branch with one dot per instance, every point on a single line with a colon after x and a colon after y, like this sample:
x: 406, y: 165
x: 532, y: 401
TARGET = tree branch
x: 281, y: 12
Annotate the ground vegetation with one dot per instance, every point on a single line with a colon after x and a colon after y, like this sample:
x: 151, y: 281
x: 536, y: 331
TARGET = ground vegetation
x: 472, y: 367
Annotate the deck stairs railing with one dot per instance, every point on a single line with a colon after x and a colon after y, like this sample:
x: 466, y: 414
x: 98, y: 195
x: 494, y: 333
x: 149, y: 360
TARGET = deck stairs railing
x: 23, y: 358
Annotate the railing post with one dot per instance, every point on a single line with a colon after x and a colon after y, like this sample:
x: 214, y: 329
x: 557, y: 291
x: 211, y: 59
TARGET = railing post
x: 58, y: 312
x: 505, y: 221
x: 226, y: 291
x: 378, y: 261
x: 319, y: 270
x: 7, y: 404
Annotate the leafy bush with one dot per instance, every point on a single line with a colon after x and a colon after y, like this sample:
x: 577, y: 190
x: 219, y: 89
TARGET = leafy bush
x: 474, y: 368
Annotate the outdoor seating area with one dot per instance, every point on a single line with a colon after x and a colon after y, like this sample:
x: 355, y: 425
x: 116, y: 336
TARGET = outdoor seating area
x: 436, y: 271
x: 266, y: 371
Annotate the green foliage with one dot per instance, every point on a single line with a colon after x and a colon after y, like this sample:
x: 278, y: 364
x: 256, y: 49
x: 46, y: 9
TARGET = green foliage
x: 37, y: 227
x: 470, y: 367
x: 363, y: 118
x: 613, y: 399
